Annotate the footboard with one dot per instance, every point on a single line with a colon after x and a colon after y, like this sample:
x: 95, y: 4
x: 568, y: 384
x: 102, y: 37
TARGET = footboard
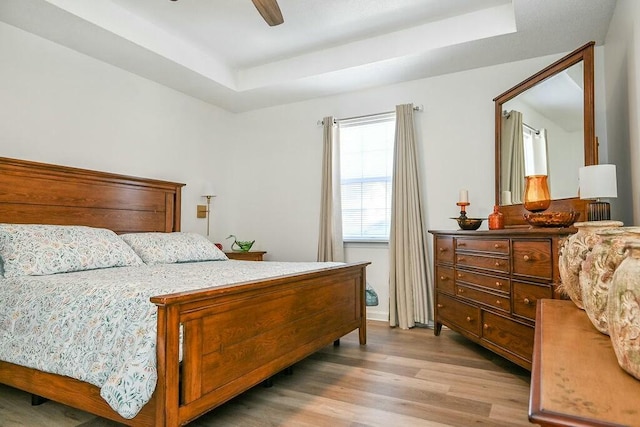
x: 233, y: 337
x: 237, y: 336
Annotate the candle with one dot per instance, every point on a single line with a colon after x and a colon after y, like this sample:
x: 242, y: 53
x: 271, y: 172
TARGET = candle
x: 506, y: 198
x: 464, y: 196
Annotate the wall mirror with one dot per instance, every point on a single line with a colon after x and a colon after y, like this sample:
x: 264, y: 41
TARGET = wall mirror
x: 546, y: 122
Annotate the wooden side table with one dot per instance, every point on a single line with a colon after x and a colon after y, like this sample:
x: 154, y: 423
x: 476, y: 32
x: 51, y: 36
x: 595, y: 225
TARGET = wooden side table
x: 245, y: 256
x: 576, y: 379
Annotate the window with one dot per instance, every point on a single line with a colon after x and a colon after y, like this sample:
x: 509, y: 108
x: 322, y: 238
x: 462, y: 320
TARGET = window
x: 366, y: 167
x: 535, y: 151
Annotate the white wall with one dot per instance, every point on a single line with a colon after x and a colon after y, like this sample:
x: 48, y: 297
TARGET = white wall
x: 63, y: 107
x: 622, y: 71
x: 275, y: 199
x: 59, y: 106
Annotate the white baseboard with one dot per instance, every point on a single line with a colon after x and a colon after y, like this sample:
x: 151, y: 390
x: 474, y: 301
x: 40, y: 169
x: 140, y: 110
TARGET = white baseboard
x: 384, y: 317
x: 377, y: 315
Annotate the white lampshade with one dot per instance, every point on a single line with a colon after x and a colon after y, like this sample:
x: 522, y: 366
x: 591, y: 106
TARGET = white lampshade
x: 208, y: 190
x: 598, y: 181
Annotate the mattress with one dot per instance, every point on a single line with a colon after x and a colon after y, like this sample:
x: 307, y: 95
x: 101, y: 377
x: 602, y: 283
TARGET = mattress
x: 99, y: 326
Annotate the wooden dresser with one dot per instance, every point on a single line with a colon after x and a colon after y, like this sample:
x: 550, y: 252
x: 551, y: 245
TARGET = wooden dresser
x: 487, y: 284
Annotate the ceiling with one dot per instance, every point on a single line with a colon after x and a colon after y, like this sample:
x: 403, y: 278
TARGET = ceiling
x: 221, y: 51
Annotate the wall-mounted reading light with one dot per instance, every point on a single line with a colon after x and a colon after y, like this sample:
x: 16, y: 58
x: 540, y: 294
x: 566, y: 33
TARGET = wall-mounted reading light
x: 205, y: 211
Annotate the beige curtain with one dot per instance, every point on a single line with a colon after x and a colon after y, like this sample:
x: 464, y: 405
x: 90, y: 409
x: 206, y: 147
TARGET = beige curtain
x: 330, y: 245
x: 512, y: 156
x: 409, y: 277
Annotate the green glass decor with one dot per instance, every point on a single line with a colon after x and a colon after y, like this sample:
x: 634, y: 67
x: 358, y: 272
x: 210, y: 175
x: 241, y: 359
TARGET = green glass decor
x: 242, y: 245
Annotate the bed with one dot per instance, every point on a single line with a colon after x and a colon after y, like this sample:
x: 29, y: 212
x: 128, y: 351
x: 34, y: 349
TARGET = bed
x: 299, y: 312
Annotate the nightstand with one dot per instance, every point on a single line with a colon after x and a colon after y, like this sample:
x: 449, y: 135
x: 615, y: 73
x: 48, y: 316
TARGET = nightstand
x: 245, y: 256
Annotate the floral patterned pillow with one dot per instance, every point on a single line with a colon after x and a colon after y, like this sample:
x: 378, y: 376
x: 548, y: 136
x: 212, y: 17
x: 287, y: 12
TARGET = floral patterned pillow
x: 169, y: 248
x: 38, y: 250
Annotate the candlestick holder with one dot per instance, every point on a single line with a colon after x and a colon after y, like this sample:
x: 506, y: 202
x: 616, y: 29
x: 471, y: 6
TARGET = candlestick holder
x: 464, y: 222
x: 463, y: 209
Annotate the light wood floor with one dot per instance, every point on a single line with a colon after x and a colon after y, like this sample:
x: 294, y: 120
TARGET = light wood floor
x: 400, y: 378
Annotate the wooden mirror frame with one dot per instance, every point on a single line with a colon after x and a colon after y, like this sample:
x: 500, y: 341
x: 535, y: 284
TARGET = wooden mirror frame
x: 513, y: 214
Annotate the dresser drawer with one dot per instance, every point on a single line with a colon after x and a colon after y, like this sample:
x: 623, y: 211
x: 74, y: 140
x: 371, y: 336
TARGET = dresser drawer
x: 444, y: 279
x: 508, y: 334
x: 476, y: 295
x: 487, y: 285
x: 526, y: 296
x: 444, y: 249
x: 494, y: 283
x: 500, y: 265
x: 498, y: 246
x: 465, y: 316
x: 532, y: 258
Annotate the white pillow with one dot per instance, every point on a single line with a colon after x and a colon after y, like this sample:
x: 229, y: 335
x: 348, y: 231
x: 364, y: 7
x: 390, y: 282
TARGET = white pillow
x: 38, y: 250
x: 169, y: 248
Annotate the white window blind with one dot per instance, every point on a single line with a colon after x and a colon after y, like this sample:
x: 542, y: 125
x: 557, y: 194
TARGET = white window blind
x: 366, y: 167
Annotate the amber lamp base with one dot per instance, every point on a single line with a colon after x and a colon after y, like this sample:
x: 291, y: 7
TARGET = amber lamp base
x: 536, y: 193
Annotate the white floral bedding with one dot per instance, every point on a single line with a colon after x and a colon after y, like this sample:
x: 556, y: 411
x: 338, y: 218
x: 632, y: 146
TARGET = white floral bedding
x: 100, y: 327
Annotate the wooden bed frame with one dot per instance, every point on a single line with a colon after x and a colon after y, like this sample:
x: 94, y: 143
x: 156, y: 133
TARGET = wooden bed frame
x: 234, y: 337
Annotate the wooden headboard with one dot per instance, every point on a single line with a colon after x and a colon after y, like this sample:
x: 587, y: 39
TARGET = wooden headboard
x: 40, y: 193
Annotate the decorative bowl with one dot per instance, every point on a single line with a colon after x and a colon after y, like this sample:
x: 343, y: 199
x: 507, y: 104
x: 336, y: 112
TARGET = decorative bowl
x: 469, y: 223
x: 551, y: 219
x: 242, y: 245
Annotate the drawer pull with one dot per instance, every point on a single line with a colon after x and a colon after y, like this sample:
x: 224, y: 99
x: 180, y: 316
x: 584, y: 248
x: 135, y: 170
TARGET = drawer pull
x: 444, y: 278
x: 497, y: 246
x: 460, y: 291
x: 440, y: 305
x: 526, y: 258
x: 460, y: 275
x: 485, y: 326
x: 498, y: 302
x: 498, y: 285
x: 526, y: 301
x: 461, y: 259
x: 461, y: 244
x: 442, y: 249
x: 498, y: 263
x: 468, y: 319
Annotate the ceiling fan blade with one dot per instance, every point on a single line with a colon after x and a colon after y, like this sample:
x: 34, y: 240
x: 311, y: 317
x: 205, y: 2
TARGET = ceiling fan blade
x: 270, y: 11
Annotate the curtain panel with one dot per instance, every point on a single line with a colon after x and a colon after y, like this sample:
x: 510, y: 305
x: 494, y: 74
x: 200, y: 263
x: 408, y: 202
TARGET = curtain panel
x: 512, y: 158
x: 330, y: 244
x: 410, y: 290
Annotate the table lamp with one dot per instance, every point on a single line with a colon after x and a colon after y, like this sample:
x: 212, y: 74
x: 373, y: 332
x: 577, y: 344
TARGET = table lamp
x: 596, y: 182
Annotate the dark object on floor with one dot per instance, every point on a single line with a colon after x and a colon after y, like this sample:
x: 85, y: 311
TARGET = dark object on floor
x: 371, y: 296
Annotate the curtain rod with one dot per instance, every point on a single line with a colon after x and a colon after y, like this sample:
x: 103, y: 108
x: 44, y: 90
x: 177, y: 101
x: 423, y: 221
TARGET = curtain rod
x: 507, y: 114
x: 415, y: 108
x: 531, y: 128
